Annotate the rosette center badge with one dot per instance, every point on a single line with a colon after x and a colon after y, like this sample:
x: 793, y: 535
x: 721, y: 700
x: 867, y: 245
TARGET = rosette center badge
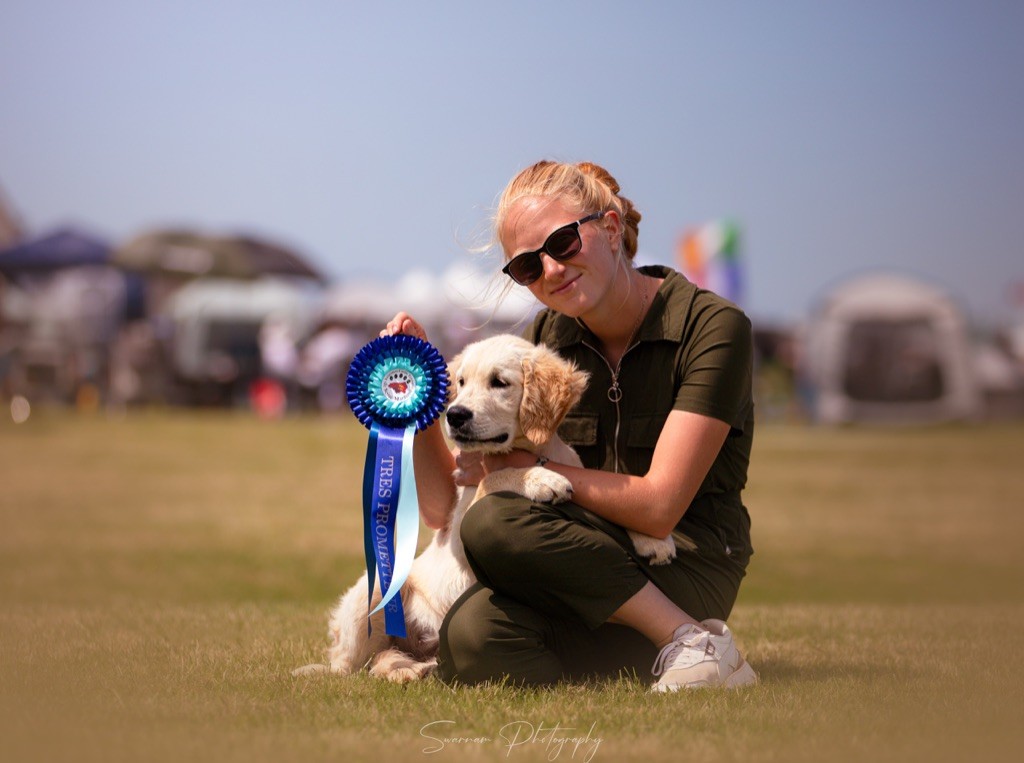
x: 399, y: 386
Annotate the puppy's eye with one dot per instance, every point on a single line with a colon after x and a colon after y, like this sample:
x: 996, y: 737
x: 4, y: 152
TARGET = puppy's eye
x: 461, y: 382
x: 498, y: 382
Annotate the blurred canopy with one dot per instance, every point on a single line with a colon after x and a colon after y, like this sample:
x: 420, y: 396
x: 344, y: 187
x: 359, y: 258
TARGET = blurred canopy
x: 62, y: 248
x: 187, y: 254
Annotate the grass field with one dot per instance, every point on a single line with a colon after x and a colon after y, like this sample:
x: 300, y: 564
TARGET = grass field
x: 161, y: 574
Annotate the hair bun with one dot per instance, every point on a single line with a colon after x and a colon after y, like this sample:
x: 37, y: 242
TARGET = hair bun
x: 630, y: 214
x: 600, y: 173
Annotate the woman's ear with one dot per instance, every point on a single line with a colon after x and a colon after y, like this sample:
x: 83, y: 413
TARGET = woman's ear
x: 612, y: 225
x: 551, y: 387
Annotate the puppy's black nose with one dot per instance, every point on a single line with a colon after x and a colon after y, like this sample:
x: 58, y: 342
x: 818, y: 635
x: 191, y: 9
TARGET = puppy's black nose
x: 458, y: 415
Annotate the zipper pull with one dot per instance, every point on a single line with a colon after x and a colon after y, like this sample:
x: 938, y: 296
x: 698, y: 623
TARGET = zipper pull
x: 614, y: 393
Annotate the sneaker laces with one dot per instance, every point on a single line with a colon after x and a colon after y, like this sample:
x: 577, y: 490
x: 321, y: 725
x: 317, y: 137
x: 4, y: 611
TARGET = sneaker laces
x: 680, y: 646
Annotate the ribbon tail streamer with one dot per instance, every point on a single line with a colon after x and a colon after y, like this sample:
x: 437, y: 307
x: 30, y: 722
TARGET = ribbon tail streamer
x: 369, y: 471
x: 385, y: 495
x: 408, y: 520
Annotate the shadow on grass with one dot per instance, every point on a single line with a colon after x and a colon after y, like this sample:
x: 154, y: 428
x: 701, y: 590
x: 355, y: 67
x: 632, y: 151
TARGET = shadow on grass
x: 790, y: 672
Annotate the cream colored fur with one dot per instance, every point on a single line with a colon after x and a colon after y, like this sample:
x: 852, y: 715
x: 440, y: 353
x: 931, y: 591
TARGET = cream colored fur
x: 506, y: 393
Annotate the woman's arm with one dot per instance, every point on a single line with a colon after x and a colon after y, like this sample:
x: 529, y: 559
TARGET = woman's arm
x: 654, y: 503
x: 433, y: 463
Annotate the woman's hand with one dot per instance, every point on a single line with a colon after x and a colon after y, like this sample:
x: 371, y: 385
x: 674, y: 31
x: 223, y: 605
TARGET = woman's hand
x: 472, y: 467
x: 514, y: 459
x: 469, y: 468
x: 403, y: 323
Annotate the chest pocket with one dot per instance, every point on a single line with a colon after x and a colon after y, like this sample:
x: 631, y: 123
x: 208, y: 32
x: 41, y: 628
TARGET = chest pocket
x: 579, y: 429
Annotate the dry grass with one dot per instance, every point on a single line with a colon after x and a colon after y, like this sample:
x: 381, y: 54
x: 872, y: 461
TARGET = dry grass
x: 161, y: 574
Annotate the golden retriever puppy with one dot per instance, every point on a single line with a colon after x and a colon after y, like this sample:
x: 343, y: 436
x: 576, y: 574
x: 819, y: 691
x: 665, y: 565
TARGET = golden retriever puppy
x: 506, y: 393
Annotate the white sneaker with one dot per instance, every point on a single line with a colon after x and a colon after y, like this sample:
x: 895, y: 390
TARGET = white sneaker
x: 697, y: 658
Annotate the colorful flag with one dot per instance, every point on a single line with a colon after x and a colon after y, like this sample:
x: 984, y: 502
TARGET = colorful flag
x: 709, y: 256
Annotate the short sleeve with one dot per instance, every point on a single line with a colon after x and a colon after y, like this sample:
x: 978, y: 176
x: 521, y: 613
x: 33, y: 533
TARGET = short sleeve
x: 717, y: 367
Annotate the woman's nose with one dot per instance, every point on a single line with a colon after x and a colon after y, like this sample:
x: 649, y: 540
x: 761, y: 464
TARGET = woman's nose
x: 552, y: 267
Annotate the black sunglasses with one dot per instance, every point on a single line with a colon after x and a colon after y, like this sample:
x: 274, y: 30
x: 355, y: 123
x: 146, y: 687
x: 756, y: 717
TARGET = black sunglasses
x: 563, y: 244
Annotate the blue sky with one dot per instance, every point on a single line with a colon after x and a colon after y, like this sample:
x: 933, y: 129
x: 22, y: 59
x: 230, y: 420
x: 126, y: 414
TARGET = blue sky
x: 375, y: 136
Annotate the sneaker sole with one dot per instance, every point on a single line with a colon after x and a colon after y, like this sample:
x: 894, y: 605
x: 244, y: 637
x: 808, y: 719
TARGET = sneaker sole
x: 744, y: 675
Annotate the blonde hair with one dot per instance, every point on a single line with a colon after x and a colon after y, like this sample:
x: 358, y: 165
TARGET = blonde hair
x: 585, y: 186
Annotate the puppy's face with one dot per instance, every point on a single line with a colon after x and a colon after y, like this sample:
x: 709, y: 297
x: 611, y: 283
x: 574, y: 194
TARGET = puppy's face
x: 505, y: 388
x: 487, y: 388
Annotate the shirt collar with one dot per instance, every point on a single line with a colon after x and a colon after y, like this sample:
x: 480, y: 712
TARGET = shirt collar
x: 664, y: 320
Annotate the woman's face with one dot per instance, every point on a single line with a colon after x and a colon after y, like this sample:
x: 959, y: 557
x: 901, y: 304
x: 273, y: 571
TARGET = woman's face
x: 574, y: 287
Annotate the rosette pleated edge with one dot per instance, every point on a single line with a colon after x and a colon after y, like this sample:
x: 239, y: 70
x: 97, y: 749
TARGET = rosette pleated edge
x: 422, y: 358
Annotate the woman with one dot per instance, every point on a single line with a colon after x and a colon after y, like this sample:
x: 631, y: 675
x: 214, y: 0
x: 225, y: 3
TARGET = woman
x: 664, y: 431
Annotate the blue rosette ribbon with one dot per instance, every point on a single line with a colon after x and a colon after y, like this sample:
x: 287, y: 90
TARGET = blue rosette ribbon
x: 396, y: 386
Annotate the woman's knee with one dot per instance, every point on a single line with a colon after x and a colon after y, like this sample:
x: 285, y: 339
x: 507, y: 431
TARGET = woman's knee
x: 485, y: 637
x: 491, y: 529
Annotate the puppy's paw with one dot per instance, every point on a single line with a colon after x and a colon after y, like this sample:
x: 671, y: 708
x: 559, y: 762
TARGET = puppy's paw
x: 545, y: 486
x: 655, y: 550
x: 400, y: 668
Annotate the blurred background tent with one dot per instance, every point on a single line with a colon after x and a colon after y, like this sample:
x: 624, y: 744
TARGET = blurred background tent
x: 61, y: 248
x: 890, y: 348
x: 60, y: 328
x: 481, y: 292
x: 188, y: 254
x: 170, y: 258
x: 462, y: 304
x: 362, y: 304
x: 216, y: 326
x: 60, y: 309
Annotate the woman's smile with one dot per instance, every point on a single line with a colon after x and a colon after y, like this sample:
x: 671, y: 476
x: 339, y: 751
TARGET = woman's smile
x: 565, y: 287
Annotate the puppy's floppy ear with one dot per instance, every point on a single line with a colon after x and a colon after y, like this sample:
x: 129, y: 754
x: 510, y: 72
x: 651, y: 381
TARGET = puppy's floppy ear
x: 551, y: 386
